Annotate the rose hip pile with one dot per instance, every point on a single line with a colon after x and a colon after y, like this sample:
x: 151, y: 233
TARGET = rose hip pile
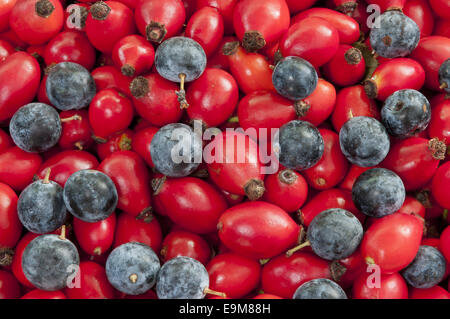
x: 266, y: 149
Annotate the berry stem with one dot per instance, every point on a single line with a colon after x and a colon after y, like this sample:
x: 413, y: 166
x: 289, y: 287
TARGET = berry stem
x: 75, y: 117
x: 297, y: 248
x: 63, y: 232
x: 213, y: 292
x: 47, y: 176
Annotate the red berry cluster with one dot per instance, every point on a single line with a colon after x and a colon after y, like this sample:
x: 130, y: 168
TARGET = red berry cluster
x: 243, y: 238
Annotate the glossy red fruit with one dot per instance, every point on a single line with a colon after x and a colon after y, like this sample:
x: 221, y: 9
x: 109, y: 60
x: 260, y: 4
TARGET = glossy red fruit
x: 297, y: 6
x: 10, y: 226
x: 5, y: 141
x: 108, y: 77
x: 440, y: 185
x: 350, y: 102
x: 36, y: 21
x: 146, y: 230
x: 120, y: 141
x: 155, y: 99
x: 207, y: 28
x: 133, y: 55
x: 393, y: 75
x: 225, y: 8
x: 70, y: 46
x: 388, y: 4
x: 260, y: 23
x: 13, y: 39
x: 333, y: 165
x: 233, y: 274
x: 318, y: 106
x: 183, y: 243
x: 286, y: 189
x: 412, y: 206
x: 415, y: 160
x: 347, y: 67
x: 347, y: 27
x: 234, y: 164
x: 435, y: 292
x: 9, y: 287
x: 42, y: 294
x: 441, y: 8
x: 93, y: 283
x: 439, y: 126
x: 159, y: 20
x: 420, y: 11
x: 331, y: 198
x: 444, y: 243
x: 141, y: 143
x: 95, y: 238
x: 265, y: 110
x: 257, y: 230
x: 391, y: 286
x: 218, y: 60
x: 251, y: 70
x: 6, y: 6
x: 212, y: 97
x: 19, y: 79
x: 76, y: 131
x: 75, y: 16
x: 6, y: 50
x: 107, y: 23
x: 131, y: 177
x: 282, y: 275
x: 190, y: 202
x: 442, y: 28
x: 110, y: 106
x: 18, y: 167
x: 392, y: 242
x: 313, y: 39
x: 431, y: 52
x: 65, y: 163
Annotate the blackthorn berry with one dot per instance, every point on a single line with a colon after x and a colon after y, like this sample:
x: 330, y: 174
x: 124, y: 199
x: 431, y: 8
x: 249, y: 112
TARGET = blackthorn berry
x: 321, y: 288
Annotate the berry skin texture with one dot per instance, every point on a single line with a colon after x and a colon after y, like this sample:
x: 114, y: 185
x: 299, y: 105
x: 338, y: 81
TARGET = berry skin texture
x: 182, y: 278
x: 48, y: 260
x: 440, y: 184
x: 90, y: 195
x: 18, y: 167
x: 70, y: 86
x: 426, y: 270
x: 180, y: 55
x: 212, y: 97
x: 9, y: 287
x: 95, y: 238
x: 190, y: 202
x: 294, y: 78
x: 299, y: 146
x: 364, y: 141
x: 233, y: 274
x: 35, y: 127
x: 132, y: 268
x: 174, y: 150
x: 378, y: 192
x: 335, y: 234
x: 10, y: 226
x: 392, y: 286
x: 260, y: 23
x: 36, y: 21
x: 282, y: 275
x: 392, y: 242
x: 313, y: 39
x: 286, y: 189
x: 319, y: 289
x: 107, y: 23
x: 182, y: 243
x: 406, y: 113
x: 272, y: 230
x: 397, y: 36
x: 41, y: 207
x: 347, y: 67
x: 133, y: 55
